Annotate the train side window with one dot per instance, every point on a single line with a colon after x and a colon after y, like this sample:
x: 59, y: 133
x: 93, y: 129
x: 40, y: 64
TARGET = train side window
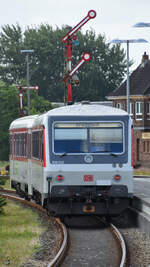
x: 16, y: 145
x: 37, y: 145
x: 20, y: 144
x: 11, y: 144
x: 41, y: 146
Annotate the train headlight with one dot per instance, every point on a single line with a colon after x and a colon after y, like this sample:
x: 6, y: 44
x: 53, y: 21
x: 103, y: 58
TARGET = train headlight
x: 60, y: 178
x: 117, y: 177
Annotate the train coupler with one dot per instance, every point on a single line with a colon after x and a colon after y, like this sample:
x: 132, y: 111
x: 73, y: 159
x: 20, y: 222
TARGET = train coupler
x: 88, y: 207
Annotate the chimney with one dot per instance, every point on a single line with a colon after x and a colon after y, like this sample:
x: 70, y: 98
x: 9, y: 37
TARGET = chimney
x: 145, y: 59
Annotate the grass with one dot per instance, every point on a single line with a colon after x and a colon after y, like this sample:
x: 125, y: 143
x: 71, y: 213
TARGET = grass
x: 3, y: 164
x: 144, y: 173
x: 19, y: 234
x: 141, y: 170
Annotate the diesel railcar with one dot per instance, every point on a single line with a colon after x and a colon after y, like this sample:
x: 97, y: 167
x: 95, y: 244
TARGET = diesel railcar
x: 74, y: 159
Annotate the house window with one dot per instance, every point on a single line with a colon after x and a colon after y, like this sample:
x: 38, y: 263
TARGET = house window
x: 120, y: 105
x: 131, y: 109
x: 138, y: 110
x: 148, y: 110
x: 146, y: 146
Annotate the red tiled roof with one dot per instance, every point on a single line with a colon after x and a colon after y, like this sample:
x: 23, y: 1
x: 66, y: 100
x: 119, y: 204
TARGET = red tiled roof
x: 139, y: 82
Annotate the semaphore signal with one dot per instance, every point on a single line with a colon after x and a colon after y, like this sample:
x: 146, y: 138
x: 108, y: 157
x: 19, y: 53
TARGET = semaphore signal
x: 71, y: 35
x: 21, y: 93
x: 85, y: 57
x: 91, y: 15
x: 30, y: 87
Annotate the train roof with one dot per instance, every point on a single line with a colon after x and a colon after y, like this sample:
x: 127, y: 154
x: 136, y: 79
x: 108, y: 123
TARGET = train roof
x: 86, y: 110
x: 70, y: 110
x: 23, y: 122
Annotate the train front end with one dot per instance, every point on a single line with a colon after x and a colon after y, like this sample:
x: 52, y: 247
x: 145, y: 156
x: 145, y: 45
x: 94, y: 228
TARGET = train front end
x: 90, y: 164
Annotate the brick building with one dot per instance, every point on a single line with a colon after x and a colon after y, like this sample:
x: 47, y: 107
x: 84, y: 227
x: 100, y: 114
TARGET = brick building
x: 139, y: 109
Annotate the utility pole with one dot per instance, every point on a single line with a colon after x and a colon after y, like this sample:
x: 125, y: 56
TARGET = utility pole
x: 28, y: 77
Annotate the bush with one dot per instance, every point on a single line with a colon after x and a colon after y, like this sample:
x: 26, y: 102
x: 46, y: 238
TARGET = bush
x: 2, y: 199
x: 3, y: 202
x: 2, y: 180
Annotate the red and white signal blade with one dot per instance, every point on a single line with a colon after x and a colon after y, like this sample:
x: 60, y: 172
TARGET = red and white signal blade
x: 30, y: 87
x: 36, y: 87
x: 91, y: 15
x: 86, y: 57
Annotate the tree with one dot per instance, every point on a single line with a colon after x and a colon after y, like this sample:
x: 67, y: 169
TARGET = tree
x: 9, y: 110
x: 98, y: 77
x: 104, y: 72
x: 11, y: 63
x: 47, y: 62
x: 2, y: 199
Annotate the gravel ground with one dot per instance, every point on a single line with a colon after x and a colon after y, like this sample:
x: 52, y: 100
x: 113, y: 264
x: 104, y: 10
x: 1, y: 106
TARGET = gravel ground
x: 92, y: 244
x: 138, y: 243
x: 49, y: 244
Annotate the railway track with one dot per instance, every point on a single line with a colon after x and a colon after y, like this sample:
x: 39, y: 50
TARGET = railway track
x: 102, y: 246
x: 94, y: 242
x: 10, y: 194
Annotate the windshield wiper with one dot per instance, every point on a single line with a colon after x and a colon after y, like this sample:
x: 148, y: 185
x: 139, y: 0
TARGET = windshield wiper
x: 110, y: 153
x: 106, y: 151
x: 63, y: 154
x: 114, y: 155
x: 74, y: 151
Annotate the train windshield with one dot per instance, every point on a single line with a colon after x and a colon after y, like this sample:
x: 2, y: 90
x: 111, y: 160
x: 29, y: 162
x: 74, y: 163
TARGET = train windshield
x: 90, y: 137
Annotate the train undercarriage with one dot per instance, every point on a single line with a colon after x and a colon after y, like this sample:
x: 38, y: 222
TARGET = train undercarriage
x: 80, y: 200
x: 83, y: 200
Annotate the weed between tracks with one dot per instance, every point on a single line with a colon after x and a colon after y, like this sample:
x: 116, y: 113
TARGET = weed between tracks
x: 19, y: 234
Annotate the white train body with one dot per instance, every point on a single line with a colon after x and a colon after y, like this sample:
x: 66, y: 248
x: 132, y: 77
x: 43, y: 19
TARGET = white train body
x: 74, y: 159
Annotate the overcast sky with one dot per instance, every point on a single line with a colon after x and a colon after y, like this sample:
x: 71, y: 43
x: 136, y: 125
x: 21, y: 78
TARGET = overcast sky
x: 115, y: 18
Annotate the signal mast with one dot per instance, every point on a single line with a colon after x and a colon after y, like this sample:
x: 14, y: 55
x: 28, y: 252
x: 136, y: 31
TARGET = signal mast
x: 70, y: 73
x: 21, y: 93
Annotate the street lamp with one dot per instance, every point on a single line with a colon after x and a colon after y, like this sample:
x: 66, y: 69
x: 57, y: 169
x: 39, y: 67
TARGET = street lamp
x: 127, y: 41
x: 141, y: 25
x: 28, y: 78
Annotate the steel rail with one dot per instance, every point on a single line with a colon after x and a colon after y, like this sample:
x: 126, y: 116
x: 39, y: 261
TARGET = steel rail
x: 7, y: 190
x: 120, y: 238
x: 122, y: 244
x: 64, y: 242
x: 59, y: 256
